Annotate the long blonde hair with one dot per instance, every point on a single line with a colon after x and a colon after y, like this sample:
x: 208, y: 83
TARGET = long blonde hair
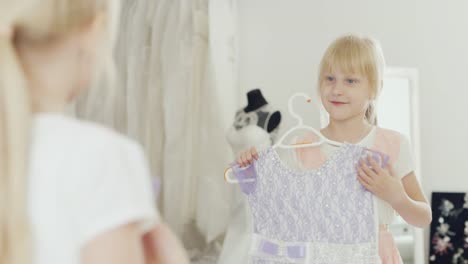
x: 29, y: 20
x: 357, y: 54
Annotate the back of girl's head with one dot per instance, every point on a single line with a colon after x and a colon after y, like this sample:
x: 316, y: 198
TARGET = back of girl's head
x: 354, y: 54
x: 30, y: 21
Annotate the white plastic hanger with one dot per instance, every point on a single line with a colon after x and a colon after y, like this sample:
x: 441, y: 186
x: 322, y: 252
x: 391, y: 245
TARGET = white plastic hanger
x: 279, y: 144
x: 300, y: 125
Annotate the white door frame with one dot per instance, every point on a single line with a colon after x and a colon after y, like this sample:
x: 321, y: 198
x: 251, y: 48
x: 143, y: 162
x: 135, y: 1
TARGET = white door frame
x: 412, y: 76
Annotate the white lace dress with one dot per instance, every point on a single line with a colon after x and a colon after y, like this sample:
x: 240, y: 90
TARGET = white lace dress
x: 316, y: 216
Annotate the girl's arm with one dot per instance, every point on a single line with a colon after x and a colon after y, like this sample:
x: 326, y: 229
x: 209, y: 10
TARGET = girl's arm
x: 121, y: 245
x: 125, y: 245
x: 413, y: 205
x: 405, y: 195
x: 161, y: 246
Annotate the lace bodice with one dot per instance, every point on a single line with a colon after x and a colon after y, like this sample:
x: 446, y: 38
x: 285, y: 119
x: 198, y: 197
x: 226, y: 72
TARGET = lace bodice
x: 327, y: 205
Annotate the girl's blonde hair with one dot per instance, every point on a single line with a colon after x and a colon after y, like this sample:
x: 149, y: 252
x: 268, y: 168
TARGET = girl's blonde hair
x: 355, y: 54
x: 30, y: 21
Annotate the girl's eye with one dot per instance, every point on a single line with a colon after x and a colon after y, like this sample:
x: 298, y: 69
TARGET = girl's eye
x: 351, y: 81
x: 330, y: 78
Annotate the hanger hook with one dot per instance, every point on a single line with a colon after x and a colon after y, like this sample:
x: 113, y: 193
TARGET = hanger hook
x: 291, y: 109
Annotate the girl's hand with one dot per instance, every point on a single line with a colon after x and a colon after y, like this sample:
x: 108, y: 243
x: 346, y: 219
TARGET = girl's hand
x: 246, y: 158
x: 380, y: 181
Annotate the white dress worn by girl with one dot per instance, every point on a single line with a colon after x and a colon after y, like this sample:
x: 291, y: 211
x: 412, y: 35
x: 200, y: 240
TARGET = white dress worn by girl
x: 84, y: 180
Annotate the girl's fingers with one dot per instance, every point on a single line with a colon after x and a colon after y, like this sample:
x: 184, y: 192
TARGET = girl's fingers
x: 364, y: 183
x: 245, y: 161
x: 245, y: 158
x: 375, y: 165
x: 366, y: 169
x: 239, y: 160
x: 248, y: 157
x: 364, y: 176
x: 242, y: 160
x: 254, y: 153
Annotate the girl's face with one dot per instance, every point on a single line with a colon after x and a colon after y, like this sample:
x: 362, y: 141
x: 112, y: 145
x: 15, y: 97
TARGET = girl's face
x: 345, y: 96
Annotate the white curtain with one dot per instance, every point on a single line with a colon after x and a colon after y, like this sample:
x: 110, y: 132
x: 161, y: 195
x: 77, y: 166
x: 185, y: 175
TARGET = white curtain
x: 177, y: 94
x: 219, y: 95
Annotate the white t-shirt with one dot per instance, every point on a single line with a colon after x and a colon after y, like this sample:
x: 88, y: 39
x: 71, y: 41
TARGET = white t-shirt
x: 402, y: 166
x: 84, y: 180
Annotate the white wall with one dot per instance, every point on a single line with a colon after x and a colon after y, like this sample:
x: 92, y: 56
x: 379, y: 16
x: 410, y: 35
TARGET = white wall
x: 281, y: 43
